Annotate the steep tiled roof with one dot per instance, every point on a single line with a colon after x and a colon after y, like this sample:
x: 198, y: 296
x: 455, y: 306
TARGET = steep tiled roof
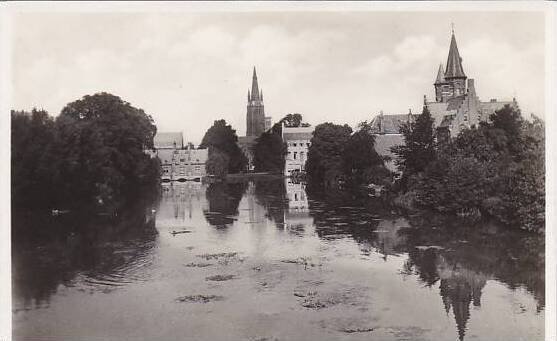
x: 440, y: 75
x: 438, y: 110
x: 384, y: 142
x: 297, y: 133
x: 388, y: 124
x: 454, y: 62
x: 168, y: 140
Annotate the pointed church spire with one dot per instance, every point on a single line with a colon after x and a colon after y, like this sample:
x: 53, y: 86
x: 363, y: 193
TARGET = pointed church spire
x: 254, y: 87
x: 454, y: 61
x: 440, y: 75
x: 261, y: 96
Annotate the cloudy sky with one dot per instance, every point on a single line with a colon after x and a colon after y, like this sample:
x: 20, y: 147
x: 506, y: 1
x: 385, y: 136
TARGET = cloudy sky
x: 188, y: 69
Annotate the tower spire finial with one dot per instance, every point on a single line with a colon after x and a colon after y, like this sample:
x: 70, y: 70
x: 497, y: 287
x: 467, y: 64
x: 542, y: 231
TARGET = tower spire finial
x: 452, y: 27
x: 255, y: 95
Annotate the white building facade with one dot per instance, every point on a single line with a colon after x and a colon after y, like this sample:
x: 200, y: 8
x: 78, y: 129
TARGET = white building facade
x: 298, y: 141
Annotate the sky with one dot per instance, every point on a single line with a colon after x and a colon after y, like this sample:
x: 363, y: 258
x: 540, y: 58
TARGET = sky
x: 187, y: 69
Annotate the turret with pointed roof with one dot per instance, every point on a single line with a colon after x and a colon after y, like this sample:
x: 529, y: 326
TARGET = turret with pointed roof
x: 440, y: 79
x: 454, y: 62
x: 451, y: 82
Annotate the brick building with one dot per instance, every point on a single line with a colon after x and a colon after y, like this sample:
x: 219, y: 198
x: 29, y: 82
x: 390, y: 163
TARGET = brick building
x: 179, y: 163
x: 456, y: 107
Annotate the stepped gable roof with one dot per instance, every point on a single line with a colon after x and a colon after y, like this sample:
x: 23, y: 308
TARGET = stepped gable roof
x: 168, y: 140
x: 438, y: 111
x: 297, y: 133
x: 388, y: 124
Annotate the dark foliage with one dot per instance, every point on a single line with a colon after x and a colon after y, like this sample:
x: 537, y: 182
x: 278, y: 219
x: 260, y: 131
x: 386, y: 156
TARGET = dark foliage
x: 325, y: 156
x: 496, y: 169
x: 93, y: 154
x: 269, y: 152
x: 361, y: 161
x: 222, y: 137
x: 419, y: 145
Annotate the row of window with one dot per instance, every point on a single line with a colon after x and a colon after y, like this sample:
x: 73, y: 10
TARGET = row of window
x: 295, y: 155
x: 295, y: 144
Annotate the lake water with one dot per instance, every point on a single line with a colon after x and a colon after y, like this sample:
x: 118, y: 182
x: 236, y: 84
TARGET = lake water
x: 267, y: 261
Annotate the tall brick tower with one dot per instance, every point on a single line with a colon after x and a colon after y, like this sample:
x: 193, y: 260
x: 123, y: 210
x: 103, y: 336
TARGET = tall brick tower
x: 255, y: 117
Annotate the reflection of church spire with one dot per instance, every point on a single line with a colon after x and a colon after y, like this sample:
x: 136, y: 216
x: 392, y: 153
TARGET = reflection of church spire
x: 459, y: 287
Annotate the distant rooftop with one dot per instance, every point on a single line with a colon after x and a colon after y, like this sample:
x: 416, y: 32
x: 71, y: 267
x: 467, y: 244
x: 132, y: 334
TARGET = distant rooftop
x: 297, y: 133
x: 169, y: 140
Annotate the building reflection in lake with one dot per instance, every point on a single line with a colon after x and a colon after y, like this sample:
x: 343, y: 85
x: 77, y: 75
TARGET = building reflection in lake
x: 296, y: 217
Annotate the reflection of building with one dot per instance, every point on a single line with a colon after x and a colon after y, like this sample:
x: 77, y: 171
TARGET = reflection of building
x: 256, y: 122
x: 178, y: 163
x: 459, y: 287
x: 298, y: 207
x: 297, y: 143
x: 179, y: 199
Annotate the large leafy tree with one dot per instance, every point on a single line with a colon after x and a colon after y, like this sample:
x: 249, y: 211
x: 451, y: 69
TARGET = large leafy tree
x: 33, y: 138
x: 359, y: 155
x: 325, y: 156
x: 419, y: 144
x: 269, y: 152
x: 222, y: 137
x: 497, y: 168
x: 101, y: 149
x: 217, y: 164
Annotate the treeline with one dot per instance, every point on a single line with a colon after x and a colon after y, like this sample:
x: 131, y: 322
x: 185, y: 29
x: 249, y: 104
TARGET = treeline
x: 494, y: 169
x: 339, y: 156
x: 91, y: 155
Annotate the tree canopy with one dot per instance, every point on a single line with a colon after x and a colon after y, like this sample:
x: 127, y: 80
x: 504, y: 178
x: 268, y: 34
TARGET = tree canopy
x: 325, y: 155
x: 93, y: 151
x: 418, y: 149
x: 221, y: 136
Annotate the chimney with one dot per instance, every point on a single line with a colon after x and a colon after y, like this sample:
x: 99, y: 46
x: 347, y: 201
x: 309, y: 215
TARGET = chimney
x: 471, y: 87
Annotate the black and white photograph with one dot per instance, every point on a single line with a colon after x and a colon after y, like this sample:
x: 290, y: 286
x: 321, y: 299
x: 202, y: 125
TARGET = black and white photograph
x: 277, y: 171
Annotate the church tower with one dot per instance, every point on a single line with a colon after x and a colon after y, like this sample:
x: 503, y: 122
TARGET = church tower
x: 255, y: 117
x: 452, y: 82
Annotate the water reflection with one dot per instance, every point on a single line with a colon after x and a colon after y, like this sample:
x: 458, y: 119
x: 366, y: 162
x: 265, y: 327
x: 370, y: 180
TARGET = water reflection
x: 328, y: 262
x: 94, y: 252
x: 458, y: 256
x: 223, y: 199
